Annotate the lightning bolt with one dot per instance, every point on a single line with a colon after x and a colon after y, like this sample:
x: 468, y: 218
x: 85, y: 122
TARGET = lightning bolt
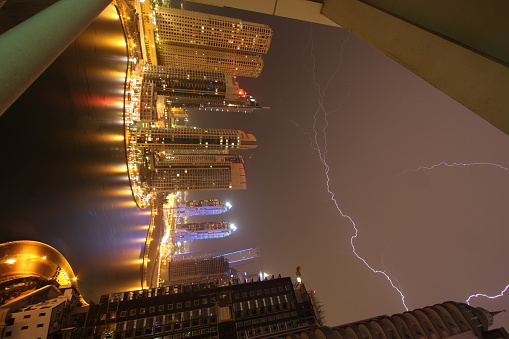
x: 487, y: 296
x: 456, y: 164
x: 322, y: 154
x: 477, y: 295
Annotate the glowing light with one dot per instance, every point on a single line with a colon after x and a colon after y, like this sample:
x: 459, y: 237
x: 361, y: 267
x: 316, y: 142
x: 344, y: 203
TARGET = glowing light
x: 456, y: 164
x: 233, y: 227
x: 10, y: 261
x: 487, y: 296
x: 322, y: 154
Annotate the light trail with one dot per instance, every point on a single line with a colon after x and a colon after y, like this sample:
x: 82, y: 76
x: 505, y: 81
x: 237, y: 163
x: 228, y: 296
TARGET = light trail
x: 443, y: 163
x: 487, y: 296
x: 322, y: 153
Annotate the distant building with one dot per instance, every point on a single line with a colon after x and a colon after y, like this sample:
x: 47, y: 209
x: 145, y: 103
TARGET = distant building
x: 203, y: 230
x: 189, y: 139
x: 170, y: 173
x: 200, y: 207
x: 258, y: 309
x: 234, y: 257
x: 200, y: 270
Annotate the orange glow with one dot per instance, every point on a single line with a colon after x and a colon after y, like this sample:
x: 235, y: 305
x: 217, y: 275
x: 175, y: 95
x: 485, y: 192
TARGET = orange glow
x: 122, y: 191
x: 113, y: 137
x: 141, y: 228
x: 117, y: 169
x: 129, y: 203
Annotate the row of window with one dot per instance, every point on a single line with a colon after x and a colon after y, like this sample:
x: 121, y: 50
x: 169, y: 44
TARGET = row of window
x: 274, y: 328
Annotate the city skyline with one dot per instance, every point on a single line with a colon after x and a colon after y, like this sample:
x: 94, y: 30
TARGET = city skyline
x: 435, y: 130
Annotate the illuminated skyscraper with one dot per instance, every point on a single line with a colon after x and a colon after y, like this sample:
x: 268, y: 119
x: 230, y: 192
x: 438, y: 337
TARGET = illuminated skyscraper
x: 230, y: 62
x: 191, y: 139
x: 176, y: 172
x: 193, y: 40
x: 203, y: 230
x: 201, y: 207
x: 182, y: 27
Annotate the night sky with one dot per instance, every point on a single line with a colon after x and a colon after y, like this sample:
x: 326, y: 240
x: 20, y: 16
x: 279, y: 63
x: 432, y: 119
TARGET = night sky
x: 347, y: 125
x: 346, y: 128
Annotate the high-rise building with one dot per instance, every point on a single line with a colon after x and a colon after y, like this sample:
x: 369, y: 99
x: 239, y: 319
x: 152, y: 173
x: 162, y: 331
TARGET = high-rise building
x: 189, y: 28
x: 176, y: 172
x: 200, y: 270
x: 229, y: 62
x: 187, y: 139
x: 203, y: 230
x: 204, y: 310
x: 200, y: 207
x: 196, y: 88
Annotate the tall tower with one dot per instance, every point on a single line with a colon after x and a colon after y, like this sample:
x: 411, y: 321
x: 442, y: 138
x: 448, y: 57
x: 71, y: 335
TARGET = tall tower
x: 180, y: 27
x: 206, y: 42
x: 192, y: 139
x: 196, y: 172
x: 203, y: 230
x: 201, y: 207
x: 230, y: 62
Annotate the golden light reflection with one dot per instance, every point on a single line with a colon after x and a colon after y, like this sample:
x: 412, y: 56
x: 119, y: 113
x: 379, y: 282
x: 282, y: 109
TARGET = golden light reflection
x: 129, y: 203
x: 116, y: 137
x: 122, y: 191
x: 118, y: 169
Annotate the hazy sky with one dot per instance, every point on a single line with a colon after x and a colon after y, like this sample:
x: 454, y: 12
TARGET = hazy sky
x: 347, y: 125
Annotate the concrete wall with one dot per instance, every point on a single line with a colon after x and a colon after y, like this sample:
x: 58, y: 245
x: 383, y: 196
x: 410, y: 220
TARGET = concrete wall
x: 460, y: 47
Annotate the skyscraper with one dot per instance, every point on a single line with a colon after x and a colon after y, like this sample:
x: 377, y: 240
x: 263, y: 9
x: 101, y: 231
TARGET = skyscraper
x: 194, y: 88
x: 206, y: 42
x: 191, y: 139
x: 200, y: 207
x: 229, y: 62
x: 176, y: 172
x: 183, y: 28
x: 203, y: 230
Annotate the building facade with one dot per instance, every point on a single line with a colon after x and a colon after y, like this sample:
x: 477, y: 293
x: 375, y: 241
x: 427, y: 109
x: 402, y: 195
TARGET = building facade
x: 200, y: 270
x: 203, y: 310
x: 182, y: 27
x: 175, y: 172
x: 200, y: 207
x: 230, y: 62
x: 183, y: 138
x: 203, y: 230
